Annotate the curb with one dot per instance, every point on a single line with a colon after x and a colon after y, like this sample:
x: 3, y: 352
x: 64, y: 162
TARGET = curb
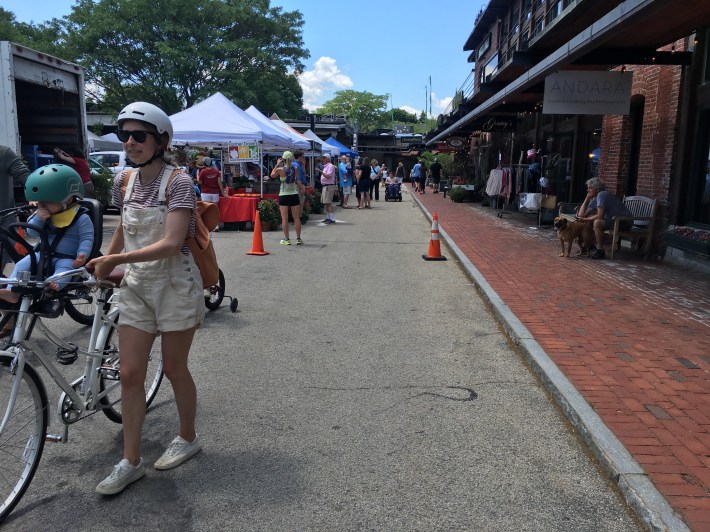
x: 648, y: 503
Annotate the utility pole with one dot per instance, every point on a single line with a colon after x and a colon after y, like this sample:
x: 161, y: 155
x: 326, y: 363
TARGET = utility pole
x: 429, y: 97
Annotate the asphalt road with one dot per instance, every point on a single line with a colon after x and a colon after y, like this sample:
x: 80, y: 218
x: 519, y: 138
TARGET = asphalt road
x: 357, y: 387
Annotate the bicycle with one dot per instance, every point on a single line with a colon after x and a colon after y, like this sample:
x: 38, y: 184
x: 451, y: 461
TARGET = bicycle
x: 216, y: 295
x: 79, y: 303
x: 23, y: 397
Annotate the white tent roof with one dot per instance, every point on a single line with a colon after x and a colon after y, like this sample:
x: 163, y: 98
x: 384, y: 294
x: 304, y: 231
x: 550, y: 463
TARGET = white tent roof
x: 276, y: 120
x: 215, y: 121
x: 291, y: 141
x: 97, y: 143
x: 326, y: 148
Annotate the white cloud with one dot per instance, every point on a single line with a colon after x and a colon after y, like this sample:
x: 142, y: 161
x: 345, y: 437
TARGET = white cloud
x: 412, y: 110
x: 324, y: 78
x: 437, y: 106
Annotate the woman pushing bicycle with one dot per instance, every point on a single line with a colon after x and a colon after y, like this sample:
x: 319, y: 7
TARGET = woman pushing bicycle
x: 161, y: 291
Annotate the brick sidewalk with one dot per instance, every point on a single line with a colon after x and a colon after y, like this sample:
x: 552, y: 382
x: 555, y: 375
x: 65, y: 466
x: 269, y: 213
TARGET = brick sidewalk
x: 632, y: 337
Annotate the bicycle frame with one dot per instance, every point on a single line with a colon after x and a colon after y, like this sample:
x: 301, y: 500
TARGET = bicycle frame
x: 24, y: 349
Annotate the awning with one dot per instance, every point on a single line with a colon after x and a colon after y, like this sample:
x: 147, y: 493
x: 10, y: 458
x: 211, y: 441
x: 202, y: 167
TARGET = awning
x: 634, y: 25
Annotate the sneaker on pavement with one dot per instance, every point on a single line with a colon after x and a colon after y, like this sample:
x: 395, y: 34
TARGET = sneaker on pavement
x: 599, y: 254
x: 299, y: 242
x: 177, y: 452
x: 325, y: 220
x: 285, y: 242
x: 123, y: 474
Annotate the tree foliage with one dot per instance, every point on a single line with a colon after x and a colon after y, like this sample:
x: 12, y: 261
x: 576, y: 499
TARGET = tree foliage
x: 175, y: 53
x: 364, y: 109
x: 400, y: 115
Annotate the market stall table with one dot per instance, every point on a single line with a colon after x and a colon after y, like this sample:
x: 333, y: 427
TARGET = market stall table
x: 238, y: 208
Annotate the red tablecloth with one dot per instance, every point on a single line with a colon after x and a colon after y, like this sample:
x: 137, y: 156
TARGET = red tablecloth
x: 238, y: 209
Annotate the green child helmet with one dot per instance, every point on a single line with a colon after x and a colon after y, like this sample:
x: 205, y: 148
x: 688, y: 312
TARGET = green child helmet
x: 54, y: 182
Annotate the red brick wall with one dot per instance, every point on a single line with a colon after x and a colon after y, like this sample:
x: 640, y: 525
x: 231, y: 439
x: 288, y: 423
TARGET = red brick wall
x: 660, y: 86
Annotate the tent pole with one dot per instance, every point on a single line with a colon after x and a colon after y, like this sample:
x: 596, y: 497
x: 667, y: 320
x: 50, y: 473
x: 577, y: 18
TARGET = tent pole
x: 261, y: 171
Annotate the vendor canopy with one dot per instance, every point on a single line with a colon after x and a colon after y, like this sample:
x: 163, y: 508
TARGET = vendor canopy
x: 344, y: 150
x: 314, y: 149
x: 215, y: 121
x: 290, y: 140
x: 325, y: 148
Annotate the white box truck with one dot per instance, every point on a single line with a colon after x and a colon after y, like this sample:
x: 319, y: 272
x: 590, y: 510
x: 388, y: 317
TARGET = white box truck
x: 42, y: 104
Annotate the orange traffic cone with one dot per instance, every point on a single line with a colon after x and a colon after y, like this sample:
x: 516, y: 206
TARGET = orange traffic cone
x: 434, y: 246
x: 257, y: 244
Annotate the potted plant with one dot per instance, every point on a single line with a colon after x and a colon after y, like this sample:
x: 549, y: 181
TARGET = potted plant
x: 269, y: 214
x: 457, y: 194
x: 694, y: 238
x: 316, y: 204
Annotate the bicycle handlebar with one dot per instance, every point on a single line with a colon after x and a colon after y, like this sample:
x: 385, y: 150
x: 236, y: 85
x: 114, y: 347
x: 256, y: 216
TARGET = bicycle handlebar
x: 87, y: 279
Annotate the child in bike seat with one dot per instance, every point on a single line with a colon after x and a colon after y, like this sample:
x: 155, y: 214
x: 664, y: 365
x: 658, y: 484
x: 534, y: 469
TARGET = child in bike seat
x: 57, y: 188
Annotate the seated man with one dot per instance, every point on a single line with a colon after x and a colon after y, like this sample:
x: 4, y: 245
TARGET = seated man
x: 598, y: 209
x: 392, y: 179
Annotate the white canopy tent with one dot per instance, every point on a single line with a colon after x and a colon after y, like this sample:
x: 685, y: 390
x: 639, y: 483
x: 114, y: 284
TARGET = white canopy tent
x: 334, y: 151
x: 292, y: 141
x: 97, y: 143
x: 214, y: 122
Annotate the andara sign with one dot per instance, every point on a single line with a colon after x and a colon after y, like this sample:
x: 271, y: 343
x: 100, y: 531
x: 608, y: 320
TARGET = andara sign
x: 587, y: 93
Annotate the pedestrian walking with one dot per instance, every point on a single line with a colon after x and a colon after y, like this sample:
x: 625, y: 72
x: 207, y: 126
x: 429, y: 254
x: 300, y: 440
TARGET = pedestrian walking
x: 364, y: 183
x: 157, y: 203
x: 345, y: 180
x: 328, y: 186
x: 435, y: 170
x: 375, y: 174
x: 400, y: 173
x: 414, y: 174
x: 422, y: 177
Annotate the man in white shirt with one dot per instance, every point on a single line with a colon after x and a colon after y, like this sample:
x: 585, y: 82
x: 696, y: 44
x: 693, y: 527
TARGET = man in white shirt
x: 327, y: 180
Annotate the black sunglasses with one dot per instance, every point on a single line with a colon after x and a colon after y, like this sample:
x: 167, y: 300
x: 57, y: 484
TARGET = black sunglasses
x: 139, y: 135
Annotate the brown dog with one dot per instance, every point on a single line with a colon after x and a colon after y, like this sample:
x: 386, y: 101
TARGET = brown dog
x: 569, y: 232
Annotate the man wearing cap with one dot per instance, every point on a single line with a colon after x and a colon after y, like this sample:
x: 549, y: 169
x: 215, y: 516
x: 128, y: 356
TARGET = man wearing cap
x: 327, y: 180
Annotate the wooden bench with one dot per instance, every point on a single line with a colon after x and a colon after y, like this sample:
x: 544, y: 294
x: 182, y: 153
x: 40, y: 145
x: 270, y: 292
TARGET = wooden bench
x: 643, y: 212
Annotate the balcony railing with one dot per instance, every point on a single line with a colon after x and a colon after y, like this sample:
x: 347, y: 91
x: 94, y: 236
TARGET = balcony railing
x: 462, y: 94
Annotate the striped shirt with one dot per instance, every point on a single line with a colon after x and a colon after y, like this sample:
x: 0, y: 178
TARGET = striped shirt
x: 180, y: 194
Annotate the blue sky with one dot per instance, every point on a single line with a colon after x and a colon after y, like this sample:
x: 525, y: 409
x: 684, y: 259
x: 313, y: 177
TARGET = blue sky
x: 380, y: 46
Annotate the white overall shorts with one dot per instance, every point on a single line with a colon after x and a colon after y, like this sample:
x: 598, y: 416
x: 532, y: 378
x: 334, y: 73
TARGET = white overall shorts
x: 160, y: 295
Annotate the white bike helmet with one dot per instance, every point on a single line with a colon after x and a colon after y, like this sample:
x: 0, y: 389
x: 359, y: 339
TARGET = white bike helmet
x: 148, y: 113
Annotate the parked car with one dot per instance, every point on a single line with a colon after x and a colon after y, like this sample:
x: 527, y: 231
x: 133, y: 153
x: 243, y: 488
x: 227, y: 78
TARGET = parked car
x: 95, y: 167
x: 115, y: 161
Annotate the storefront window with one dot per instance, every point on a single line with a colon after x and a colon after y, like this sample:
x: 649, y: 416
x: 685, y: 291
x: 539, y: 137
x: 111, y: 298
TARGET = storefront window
x: 491, y: 68
x: 702, y: 207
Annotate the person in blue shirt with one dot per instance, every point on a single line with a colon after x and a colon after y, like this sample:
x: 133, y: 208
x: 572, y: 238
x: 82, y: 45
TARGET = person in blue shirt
x: 299, y: 162
x: 415, y: 176
x: 57, y: 188
x: 345, y: 181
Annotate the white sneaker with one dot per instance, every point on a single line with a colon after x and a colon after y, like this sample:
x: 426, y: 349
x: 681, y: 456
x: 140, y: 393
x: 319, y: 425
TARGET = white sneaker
x: 177, y: 452
x: 123, y: 474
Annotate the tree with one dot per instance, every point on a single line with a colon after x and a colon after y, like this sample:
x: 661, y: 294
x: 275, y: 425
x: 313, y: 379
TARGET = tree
x: 176, y: 52
x: 365, y: 109
x: 400, y: 115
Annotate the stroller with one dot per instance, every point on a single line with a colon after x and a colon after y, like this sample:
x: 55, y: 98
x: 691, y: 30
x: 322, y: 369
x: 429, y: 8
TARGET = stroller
x: 393, y: 192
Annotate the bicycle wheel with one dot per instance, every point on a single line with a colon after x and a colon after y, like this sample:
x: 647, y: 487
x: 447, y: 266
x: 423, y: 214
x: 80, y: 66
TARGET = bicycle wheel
x: 111, y: 370
x: 22, y: 441
x: 216, y: 293
x: 80, y: 304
